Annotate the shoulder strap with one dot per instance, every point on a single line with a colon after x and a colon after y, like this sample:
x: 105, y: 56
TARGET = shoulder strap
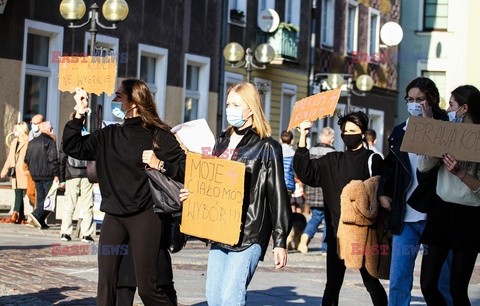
x: 370, y: 158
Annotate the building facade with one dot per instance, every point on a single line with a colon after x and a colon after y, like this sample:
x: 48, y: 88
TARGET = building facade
x: 347, y: 42
x: 171, y: 45
x: 440, y: 42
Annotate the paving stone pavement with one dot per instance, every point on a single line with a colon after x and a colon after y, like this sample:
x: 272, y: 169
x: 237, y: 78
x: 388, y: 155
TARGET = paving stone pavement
x: 32, y: 275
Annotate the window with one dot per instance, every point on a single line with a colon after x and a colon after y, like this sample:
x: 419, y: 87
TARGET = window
x: 289, y: 97
x: 152, y: 69
x: 264, y: 88
x: 237, y: 11
x: 435, y: 15
x: 377, y: 119
x: 440, y: 79
x: 196, y: 85
x: 230, y: 80
x: 105, y: 46
x: 374, y: 45
x: 39, y: 92
x: 292, y: 12
x: 352, y: 17
x: 265, y: 4
x: 327, y: 23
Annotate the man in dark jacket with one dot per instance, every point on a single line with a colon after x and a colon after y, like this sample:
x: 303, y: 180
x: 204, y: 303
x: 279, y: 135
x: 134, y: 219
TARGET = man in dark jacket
x: 42, y: 161
x: 78, y: 193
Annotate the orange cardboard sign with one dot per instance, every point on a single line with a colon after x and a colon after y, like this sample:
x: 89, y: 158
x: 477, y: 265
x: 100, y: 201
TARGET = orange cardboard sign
x: 314, y: 107
x: 436, y: 137
x: 213, y: 209
x: 94, y: 74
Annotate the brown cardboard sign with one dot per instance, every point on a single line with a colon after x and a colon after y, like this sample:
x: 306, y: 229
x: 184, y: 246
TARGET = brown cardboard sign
x: 436, y: 137
x: 94, y: 74
x: 314, y: 107
x: 213, y: 209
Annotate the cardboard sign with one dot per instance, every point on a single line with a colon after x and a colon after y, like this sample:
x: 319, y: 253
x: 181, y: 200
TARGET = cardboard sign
x: 435, y: 137
x: 94, y: 74
x: 314, y: 107
x: 213, y: 209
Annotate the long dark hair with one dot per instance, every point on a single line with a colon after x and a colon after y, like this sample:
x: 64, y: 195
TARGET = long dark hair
x: 468, y: 94
x: 428, y: 87
x: 139, y: 93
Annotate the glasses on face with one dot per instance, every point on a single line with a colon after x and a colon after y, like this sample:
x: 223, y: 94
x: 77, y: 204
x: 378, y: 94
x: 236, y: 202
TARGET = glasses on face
x: 413, y: 100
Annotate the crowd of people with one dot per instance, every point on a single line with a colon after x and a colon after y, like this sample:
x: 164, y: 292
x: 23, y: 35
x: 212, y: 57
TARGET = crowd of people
x: 393, y: 203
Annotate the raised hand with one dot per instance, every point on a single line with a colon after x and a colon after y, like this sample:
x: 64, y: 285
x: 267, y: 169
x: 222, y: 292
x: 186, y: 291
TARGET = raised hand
x: 81, y: 99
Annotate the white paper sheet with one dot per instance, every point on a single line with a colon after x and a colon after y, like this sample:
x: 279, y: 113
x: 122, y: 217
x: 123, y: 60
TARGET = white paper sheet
x: 196, y: 135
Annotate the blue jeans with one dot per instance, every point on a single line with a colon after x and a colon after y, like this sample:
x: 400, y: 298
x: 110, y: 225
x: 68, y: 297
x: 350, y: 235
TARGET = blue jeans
x: 229, y: 273
x: 318, y: 215
x: 405, y: 248
x: 42, y: 188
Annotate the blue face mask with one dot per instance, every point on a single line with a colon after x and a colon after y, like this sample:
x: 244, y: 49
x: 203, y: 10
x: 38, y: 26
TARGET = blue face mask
x: 452, y: 116
x: 117, y: 112
x: 235, y: 116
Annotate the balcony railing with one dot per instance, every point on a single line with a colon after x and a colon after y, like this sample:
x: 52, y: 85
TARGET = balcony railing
x: 284, y: 41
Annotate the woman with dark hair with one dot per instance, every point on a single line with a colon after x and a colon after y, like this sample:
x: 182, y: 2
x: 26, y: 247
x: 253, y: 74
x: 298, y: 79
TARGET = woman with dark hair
x: 121, y: 152
x: 333, y: 172
x: 452, y: 221
x: 406, y: 193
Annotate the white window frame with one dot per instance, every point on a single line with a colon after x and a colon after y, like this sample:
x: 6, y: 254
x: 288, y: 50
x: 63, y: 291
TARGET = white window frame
x: 289, y: 89
x: 355, y: 27
x: 203, y: 83
x: 229, y: 77
x: 327, y: 41
x: 294, y: 14
x: 268, y: 95
x: 338, y: 144
x: 112, y: 43
x: 375, y: 12
x: 159, y: 88
x: 55, y: 34
x: 377, y: 123
x: 242, y: 5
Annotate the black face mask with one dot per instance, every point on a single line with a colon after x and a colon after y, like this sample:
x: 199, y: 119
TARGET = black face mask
x: 352, y: 141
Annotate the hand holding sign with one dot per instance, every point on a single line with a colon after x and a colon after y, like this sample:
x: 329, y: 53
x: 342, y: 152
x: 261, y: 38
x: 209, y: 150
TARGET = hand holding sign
x: 81, y: 98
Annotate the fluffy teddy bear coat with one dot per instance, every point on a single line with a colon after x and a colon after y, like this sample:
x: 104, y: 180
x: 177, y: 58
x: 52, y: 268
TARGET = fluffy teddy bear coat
x: 361, y: 239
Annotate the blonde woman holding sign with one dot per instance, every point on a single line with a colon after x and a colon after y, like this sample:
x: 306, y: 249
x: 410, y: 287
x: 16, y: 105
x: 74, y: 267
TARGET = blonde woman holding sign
x: 266, y: 206
x: 452, y: 221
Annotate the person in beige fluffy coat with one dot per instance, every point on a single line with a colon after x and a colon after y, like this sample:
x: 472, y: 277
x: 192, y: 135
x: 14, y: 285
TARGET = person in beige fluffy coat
x: 361, y: 239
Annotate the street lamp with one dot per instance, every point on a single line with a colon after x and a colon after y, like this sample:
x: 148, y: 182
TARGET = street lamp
x: 233, y: 53
x: 335, y: 80
x: 113, y: 11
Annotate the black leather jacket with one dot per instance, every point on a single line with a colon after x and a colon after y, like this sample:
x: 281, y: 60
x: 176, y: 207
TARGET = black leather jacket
x: 266, y: 206
x: 42, y: 158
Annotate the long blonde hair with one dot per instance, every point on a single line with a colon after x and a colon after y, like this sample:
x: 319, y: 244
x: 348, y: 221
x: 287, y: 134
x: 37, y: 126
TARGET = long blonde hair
x: 250, y: 95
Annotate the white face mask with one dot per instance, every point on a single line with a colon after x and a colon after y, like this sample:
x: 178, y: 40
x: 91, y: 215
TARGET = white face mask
x: 15, y: 133
x: 414, y: 109
x: 35, y: 128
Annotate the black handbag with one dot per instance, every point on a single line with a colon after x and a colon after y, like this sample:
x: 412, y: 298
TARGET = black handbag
x: 166, y: 202
x: 165, y: 192
x: 11, y: 172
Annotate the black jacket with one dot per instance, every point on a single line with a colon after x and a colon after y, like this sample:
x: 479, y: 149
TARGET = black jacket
x: 41, y: 158
x: 266, y: 206
x: 333, y: 172
x: 69, y: 171
x: 117, y: 150
x: 397, y: 178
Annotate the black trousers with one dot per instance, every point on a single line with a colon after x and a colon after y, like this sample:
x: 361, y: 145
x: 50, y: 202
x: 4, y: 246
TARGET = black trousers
x: 335, y: 274
x: 144, y: 232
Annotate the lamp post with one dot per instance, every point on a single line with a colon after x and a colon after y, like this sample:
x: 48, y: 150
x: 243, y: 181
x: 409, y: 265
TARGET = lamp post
x: 335, y: 80
x: 112, y: 10
x: 233, y: 53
